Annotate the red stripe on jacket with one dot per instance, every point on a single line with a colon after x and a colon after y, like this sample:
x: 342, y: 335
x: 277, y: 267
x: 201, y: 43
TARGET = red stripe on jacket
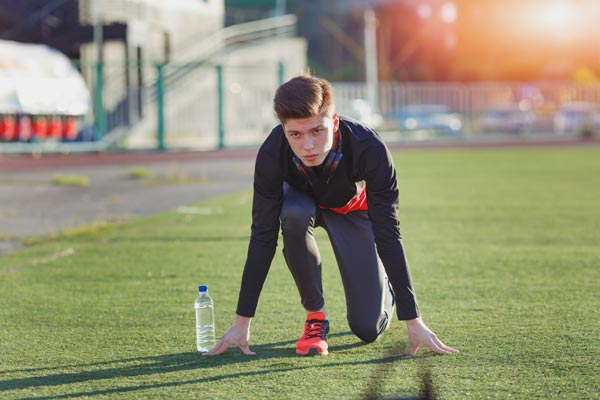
x: 357, y: 203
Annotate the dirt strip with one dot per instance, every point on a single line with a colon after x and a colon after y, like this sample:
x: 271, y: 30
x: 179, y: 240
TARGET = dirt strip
x: 122, y: 186
x: 28, y: 162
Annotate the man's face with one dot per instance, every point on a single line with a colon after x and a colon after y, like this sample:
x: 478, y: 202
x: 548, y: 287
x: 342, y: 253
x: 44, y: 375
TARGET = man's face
x: 311, y: 138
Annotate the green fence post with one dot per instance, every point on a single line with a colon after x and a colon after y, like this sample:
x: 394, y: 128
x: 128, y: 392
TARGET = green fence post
x: 160, y: 107
x: 220, y: 109
x: 100, y: 117
x: 280, y: 72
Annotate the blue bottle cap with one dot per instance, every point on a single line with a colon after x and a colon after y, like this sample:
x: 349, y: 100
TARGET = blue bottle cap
x: 203, y: 288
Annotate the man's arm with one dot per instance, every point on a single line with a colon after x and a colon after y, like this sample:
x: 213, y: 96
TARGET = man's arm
x: 382, y: 197
x: 266, y: 207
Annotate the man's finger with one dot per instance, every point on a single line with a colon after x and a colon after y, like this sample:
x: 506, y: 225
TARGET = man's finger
x: 440, y: 348
x: 434, y: 347
x: 214, y: 351
x: 447, y: 349
x: 412, y: 350
x: 220, y: 348
x: 246, y: 350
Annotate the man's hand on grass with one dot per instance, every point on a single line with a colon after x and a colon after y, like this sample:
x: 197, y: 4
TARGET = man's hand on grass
x: 237, y: 335
x: 420, y: 335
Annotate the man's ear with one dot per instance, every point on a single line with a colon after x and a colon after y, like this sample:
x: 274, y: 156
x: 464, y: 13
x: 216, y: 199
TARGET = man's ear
x: 336, y: 122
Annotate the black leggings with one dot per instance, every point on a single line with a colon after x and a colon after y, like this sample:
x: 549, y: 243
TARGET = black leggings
x: 369, y: 296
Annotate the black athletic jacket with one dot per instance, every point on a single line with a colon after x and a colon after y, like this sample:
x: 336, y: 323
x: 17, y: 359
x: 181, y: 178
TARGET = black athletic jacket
x: 365, y: 157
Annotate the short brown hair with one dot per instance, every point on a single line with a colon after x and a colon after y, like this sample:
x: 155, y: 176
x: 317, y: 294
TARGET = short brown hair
x: 302, y: 97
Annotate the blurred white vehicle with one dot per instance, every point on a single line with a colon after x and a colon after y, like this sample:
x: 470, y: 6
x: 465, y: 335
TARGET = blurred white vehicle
x: 577, y: 118
x: 362, y: 111
x: 42, y: 95
x: 507, y: 118
x: 430, y: 117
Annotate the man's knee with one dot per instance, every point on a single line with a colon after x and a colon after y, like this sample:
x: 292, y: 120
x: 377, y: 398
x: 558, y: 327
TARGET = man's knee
x: 369, y: 330
x: 296, y: 220
x: 366, y: 334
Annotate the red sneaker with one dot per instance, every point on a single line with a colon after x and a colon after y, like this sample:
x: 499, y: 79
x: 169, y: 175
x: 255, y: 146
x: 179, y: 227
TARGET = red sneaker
x: 313, y: 340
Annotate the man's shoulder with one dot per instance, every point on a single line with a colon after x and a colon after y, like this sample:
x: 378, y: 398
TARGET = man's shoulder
x: 275, y: 136
x: 273, y: 142
x: 362, y: 137
x: 273, y: 151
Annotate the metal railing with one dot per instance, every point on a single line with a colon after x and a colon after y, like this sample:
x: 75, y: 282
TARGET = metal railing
x: 201, y: 51
x: 184, y: 81
x: 198, y: 50
x: 212, y: 106
x: 484, y: 108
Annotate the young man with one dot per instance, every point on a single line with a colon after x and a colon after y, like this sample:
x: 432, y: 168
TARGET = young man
x: 317, y: 169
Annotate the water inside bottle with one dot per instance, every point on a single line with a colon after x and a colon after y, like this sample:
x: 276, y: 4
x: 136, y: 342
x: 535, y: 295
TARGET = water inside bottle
x: 205, y: 329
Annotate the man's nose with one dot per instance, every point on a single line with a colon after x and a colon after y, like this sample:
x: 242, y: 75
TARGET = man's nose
x: 308, y: 142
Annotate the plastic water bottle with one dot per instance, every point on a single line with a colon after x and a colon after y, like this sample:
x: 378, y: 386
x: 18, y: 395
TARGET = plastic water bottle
x: 205, y: 321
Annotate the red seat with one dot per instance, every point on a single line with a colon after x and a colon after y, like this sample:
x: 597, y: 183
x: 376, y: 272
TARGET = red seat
x: 8, y: 128
x: 70, y: 128
x: 40, y: 127
x: 55, y: 128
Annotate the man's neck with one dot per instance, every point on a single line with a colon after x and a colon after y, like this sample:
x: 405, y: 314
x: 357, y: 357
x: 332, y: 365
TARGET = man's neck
x: 336, y: 140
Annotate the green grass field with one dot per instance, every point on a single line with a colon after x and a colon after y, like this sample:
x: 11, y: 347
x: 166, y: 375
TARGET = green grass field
x: 504, y: 247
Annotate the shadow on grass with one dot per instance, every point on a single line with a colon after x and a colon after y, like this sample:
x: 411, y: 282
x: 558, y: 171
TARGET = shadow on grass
x: 273, y: 350
x: 164, y: 364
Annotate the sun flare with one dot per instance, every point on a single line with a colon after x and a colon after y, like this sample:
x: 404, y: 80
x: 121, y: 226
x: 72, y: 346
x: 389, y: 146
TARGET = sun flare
x: 558, y: 15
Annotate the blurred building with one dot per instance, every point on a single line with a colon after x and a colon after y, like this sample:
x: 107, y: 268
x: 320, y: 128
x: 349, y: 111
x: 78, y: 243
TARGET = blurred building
x: 67, y: 25
x: 124, y: 35
x: 135, y: 53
